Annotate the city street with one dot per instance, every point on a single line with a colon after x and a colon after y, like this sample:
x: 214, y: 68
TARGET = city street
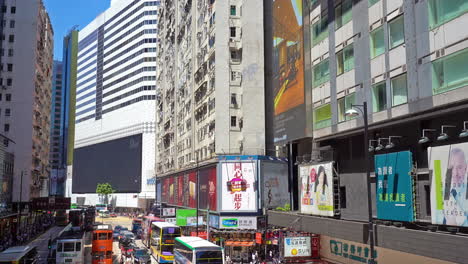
x: 41, y: 242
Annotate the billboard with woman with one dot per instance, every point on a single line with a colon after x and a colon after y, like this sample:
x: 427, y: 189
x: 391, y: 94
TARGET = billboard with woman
x: 449, y: 197
x: 317, y: 189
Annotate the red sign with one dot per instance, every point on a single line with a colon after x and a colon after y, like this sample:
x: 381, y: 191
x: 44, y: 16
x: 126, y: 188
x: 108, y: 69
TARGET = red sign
x: 212, y: 189
x: 258, y: 238
x: 192, y: 189
x: 316, y: 246
x: 165, y: 190
x: 201, y: 234
x: 180, y: 190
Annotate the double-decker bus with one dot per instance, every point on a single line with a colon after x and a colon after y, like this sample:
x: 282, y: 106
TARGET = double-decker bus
x: 102, y: 245
x: 146, y: 228
x: 19, y: 255
x: 162, y: 241
x: 70, y: 247
x: 197, y: 250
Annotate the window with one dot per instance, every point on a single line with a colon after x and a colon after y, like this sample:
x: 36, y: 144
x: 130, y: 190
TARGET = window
x: 342, y: 197
x: 7, y: 112
x: 2, y: 52
x: 4, y: 9
x: 8, y: 97
x: 322, y: 116
x: 11, y: 38
x: 13, y: 9
x: 6, y: 127
x: 449, y: 72
x: 10, y: 52
x: 68, y: 247
x: 377, y: 43
x: 379, y: 97
x: 396, y: 29
x: 427, y: 192
x: 9, y: 82
x: 442, y: 11
x: 321, y: 73
x: 10, y: 67
x: 5, y: 142
x: 234, y: 100
x: 233, y: 121
x: 233, y: 10
x: 320, y: 30
x: 344, y: 104
x: 372, y: 2
x: 59, y: 247
x: 343, y: 13
x: 0, y: 97
x: 233, y: 32
x: 12, y: 24
x: 345, y: 59
x: 78, y: 246
x: 399, y: 90
x: 235, y: 76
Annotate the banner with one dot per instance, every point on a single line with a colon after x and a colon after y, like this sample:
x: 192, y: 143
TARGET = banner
x: 208, y: 188
x: 238, y: 191
x: 180, y: 190
x: 275, y: 179
x: 317, y: 189
x: 171, y: 190
x: 297, y: 247
x: 394, y: 186
x: 242, y: 222
x: 192, y: 189
x: 449, y: 197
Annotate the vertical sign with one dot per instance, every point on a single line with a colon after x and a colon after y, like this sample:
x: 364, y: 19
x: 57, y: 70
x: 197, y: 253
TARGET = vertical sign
x: 180, y: 190
x: 317, y: 189
x: 192, y: 189
x: 239, y: 193
x: 394, y: 186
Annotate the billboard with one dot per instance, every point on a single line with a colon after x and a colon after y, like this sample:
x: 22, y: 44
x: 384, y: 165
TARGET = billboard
x: 449, y: 196
x: 317, y: 189
x: 169, y: 211
x: 288, y: 71
x: 275, y: 184
x: 188, y: 217
x: 394, y: 186
x: 238, y: 222
x: 117, y: 162
x: 180, y: 190
x: 239, y: 193
x: 208, y: 188
x: 297, y: 247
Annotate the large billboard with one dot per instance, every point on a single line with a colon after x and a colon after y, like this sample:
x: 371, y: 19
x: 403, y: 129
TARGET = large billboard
x: 317, y: 189
x: 275, y: 184
x: 288, y: 71
x: 117, y: 162
x: 394, y: 186
x: 239, y: 193
x: 207, y: 187
x: 449, y: 197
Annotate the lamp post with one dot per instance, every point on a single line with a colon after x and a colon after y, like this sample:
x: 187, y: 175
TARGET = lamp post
x: 198, y: 188
x: 353, y: 113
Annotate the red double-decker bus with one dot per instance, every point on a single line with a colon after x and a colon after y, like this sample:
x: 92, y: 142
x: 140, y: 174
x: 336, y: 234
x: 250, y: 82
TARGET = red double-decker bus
x: 146, y: 228
x: 102, y: 245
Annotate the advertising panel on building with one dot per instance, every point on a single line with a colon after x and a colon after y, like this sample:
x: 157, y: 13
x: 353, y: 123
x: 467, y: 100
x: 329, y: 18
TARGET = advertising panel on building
x: 183, y: 214
x: 449, y: 196
x: 207, y: 187
x: 180, y: 190
x: 317, y: 189
x: 275, y: 184
x: 169, y: 211
x: 241, y: 222
x: 394, y: 186
x: 238, y: 193
x: 214, y: 221
x: 288, y: 71
x: 297, y: 247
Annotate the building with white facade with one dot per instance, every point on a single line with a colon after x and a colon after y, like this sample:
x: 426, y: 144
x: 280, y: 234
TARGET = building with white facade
x: 115, y: 99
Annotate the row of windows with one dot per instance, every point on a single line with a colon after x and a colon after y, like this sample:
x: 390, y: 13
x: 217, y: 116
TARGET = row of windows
x: 141, y: 33
x: 12, y: 9
x: 12, y: 23
x: 87, y: 80
x: 131, y: 83
x: 129, y: 75
x: 93, y: 92
x: 86, y: 66
x: 136, y: 54
x: 145, y: 88
x: 11, y: 38
x: 396, y: 34
x: 7, y: 97
x: 86, y: 88
x: 128, y: 67
x: 132, y: 48
x: 88, y: 72
x: 136, y: 27
x: 10, y: 52
x: 92, y: 56
x: 90, y: 101
x: 121, y: 21
x: 87, y: 41
x: 9, y: 67
x: 129, y: 93
x: 89, y: 109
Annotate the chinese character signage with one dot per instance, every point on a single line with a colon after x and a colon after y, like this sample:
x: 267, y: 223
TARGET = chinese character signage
x: 394, y: 186
x: 171, y: 220
x: 297, y: 247
x: 449, y: 197
x: 238, y: 187
x: 275, y: 184
x: 356, y: 252
x: 238, y: 222
x: 169, y: 211
x: 317, y: 189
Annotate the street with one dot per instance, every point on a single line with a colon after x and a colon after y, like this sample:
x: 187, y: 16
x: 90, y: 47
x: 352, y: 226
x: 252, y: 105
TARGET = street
x: 41, y: 242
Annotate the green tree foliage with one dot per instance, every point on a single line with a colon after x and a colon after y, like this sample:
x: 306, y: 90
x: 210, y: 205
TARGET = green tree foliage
x: 104, y: 189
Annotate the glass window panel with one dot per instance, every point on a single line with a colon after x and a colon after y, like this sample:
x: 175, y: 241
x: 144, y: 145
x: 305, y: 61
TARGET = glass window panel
x: 449, y: 73
x: 377, y: 45
x: 344, y: 104
x: 442, y: 11
x: 322, y: 116
x: 348, y: 57
x: 397, y: 32
x: 320, y: 30
x: 399, y: 90
x: 379, y: 97
x: 372, y: 2
x: 339, y: 63
x: 321, y: 73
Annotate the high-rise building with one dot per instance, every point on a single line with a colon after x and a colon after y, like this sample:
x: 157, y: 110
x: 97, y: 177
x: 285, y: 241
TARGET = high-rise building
x: 210, y: 97
x: 25, y: 81
x: 115, y: 104
x: 56, y: 128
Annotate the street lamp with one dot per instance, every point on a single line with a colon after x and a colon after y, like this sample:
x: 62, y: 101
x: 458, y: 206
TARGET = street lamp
x: 198, y: 187
x: 354, y: 113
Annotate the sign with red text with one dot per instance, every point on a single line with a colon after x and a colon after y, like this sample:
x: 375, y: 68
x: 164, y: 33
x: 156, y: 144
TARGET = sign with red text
x: 239, y: 193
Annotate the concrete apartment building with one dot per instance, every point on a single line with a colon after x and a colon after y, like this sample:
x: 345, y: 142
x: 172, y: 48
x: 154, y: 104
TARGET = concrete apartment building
x: 115, y: 102
x: 210, y: 94
x: 26, y: 74
x: 56, y: 128
x: 407, y: 60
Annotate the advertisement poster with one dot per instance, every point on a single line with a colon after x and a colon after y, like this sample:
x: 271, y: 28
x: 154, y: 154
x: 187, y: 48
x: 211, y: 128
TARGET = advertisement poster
x: 243, y: 222
x: 165, y: 190
x: 317, y: 189
x: 297, y: 247
x: 449, y: 197
x: 158, y: 190
x: 288, y: 71
x: 180, y: 190
x: 214, y: 221
x: 171, y: 190
x: 275, y: 184
x: 176, y: 189
x: 169, y: 211
x: 183, y: 214
x: 394, y: 186
x: 192, y: 188
x: 186, y: 190
x: 208, y: 188
x: 238, y: 187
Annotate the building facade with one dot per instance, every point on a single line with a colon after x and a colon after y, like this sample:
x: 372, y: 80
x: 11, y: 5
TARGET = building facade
x: 115, y: 97
x: 26, y: 76
x: 56, y: 128
x: 404, y: 59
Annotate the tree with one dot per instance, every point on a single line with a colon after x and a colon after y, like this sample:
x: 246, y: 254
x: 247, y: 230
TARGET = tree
x: 104, y: 189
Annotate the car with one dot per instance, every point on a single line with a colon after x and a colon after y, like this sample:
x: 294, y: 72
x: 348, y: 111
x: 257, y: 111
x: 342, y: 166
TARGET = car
x: 113, y: 215
x: 128, y: 235
x: 141, y: 256
x: 126, y: 248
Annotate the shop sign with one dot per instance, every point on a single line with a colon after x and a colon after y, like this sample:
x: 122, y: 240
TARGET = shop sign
x: 192, y: 221
x: 239, y: 193
x: 394, y: 186
x: 214, y: 221
x: 275, y: 184
x: 353, y: 251
x: 201, y: 234
x: 258, y: 238
x: 172, y: 220
x: 169, y: 211
x: 297, y: 247
x: 238, y: 222
x: 449, y: 194
x: 183, y: 214
x: 317, y: 189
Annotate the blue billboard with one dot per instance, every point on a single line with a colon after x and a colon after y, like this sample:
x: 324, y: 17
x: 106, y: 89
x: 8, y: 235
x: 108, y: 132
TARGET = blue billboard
x: 394, y: 186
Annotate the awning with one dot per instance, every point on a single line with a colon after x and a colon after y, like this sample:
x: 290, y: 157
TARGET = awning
x: 239, y: 243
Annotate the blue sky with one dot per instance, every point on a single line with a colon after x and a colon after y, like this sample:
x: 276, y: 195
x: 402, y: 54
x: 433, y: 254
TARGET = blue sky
x: 64, y: 14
